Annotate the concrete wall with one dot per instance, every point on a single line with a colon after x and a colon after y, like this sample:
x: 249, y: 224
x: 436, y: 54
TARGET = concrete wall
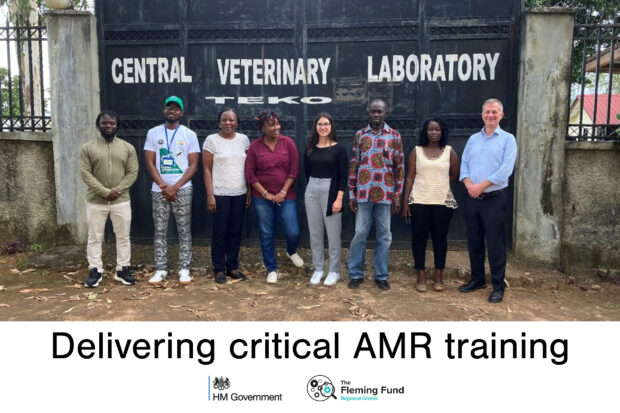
x: 544, y: 81
x: 27, y: 191
x: 591, y: 227
x: 74, y: 85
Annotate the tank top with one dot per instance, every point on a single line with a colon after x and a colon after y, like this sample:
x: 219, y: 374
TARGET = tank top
x: 432, y: 179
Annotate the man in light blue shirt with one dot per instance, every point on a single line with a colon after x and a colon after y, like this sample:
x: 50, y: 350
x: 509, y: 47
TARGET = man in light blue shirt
x: 486, y: 165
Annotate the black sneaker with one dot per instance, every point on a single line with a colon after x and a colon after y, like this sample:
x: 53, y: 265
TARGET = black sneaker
x: 237, y: 275
x: 125, y: 276
x: 355, y: 282
x: 383, y: 284
x: 220, y: 278
x: 93, y: 278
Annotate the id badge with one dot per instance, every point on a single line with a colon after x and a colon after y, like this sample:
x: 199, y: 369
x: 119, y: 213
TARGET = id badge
x: 167, y: 160
x: 168, y: 164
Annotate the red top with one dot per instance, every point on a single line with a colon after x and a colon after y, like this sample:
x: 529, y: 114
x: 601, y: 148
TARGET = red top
x: 272, y: 168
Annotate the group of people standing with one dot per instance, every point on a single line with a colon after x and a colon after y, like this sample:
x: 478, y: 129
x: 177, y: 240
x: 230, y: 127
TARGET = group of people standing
x: 263, y: 174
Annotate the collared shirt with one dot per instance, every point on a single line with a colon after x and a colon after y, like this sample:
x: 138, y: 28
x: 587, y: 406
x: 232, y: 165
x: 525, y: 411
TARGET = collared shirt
x: 376, y: 169
x: 489, y: 157
x: 272, y: 167
x: 108, y: 165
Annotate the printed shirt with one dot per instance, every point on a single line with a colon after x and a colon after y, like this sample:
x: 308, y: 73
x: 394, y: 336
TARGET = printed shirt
x: 172, y: 164
x: 376, y: 170
x: 489, y: 157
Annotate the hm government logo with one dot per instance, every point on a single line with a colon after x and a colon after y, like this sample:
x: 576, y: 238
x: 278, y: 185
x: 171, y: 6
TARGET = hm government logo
x: 320, y: 388
x: 218, y: 392
x: 221, y: 383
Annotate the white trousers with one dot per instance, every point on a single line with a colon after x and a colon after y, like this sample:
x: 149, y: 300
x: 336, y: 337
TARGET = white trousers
x: 96, y: 217
x: 316, y: 196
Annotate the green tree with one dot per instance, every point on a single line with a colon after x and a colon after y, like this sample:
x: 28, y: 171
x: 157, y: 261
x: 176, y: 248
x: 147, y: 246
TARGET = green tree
x: 24, y: 13
x: 21, y: 12
x: 586, y: 12
x: 8, y: 107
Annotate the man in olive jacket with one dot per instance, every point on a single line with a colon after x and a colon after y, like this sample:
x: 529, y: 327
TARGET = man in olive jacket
x: 109, y: 166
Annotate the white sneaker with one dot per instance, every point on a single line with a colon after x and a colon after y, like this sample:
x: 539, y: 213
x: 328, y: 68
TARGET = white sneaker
x: 158, y: 277
x: 316, y: 277
x: 272, y: 277
x: 297, y: 260
x: 332, y: 278
x: 184, y: 277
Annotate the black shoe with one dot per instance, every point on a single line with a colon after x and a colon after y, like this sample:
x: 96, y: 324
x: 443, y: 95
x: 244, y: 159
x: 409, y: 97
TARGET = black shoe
x: 355, y: 282
x: 472, y: 286
x: 125, y: 276
x: 496, y: 296
x: 93, y: 278
x: 237, y: 275
x: 220, y: 278
x: 383, y: 284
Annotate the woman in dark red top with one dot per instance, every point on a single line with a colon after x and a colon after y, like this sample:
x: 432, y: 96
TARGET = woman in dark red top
x: 271, y: 168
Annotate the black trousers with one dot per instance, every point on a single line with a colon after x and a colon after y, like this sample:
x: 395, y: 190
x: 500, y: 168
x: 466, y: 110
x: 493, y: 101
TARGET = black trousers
x: 486, y: 218
x: 226, y: 235
x: 433, y: 219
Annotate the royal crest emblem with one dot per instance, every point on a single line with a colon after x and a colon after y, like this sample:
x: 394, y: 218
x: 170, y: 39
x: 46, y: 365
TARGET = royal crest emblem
x: 221, y: 383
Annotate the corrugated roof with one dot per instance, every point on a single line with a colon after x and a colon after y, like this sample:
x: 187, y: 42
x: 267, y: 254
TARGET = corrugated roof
x: 601, y: 108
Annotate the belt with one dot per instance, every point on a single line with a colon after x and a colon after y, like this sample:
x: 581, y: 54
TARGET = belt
x: 491, y: 194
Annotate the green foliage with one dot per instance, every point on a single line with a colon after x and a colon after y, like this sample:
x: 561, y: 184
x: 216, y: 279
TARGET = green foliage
x: 24, y: 7
x: 5, y: 110
x: 586, y: 12
x: 36, y: 247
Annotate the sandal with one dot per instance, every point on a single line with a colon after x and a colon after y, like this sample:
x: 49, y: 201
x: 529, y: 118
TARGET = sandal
x: 439, y: 286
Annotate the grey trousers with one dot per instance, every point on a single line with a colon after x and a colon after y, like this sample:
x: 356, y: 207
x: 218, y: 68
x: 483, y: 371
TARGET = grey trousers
x: 315, y: 199
x: 182, y: 211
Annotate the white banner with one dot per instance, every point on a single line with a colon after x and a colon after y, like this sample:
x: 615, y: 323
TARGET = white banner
x: 281, y: 366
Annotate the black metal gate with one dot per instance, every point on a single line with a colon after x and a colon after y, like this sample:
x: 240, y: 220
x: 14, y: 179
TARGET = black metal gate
x: 299, y: 57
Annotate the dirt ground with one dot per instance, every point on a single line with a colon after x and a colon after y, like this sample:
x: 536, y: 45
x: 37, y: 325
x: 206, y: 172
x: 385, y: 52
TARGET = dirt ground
x: 49, y: 285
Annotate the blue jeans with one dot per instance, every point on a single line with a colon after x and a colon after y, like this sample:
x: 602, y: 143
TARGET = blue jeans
x: 367, y: 212
x: 286, y: 214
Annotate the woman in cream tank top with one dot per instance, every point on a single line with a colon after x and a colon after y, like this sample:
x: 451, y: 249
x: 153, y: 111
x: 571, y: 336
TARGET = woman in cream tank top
x: 428, y: 202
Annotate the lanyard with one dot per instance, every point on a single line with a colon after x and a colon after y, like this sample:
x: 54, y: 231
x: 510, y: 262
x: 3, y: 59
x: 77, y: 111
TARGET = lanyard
x: 173, y: 135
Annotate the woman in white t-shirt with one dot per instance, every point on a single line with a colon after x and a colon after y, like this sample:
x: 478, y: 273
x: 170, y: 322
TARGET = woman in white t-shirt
x: 223, y: 160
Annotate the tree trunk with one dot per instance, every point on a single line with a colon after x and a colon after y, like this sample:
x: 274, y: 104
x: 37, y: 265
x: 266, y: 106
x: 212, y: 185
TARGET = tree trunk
x: 29, y: 62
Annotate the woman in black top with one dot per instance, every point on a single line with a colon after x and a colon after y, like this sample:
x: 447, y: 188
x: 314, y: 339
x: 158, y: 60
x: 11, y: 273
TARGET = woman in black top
x: 325, y: 163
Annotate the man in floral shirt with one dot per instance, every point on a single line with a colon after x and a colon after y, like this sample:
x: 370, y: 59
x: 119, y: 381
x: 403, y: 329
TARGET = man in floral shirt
x: 376, y: 174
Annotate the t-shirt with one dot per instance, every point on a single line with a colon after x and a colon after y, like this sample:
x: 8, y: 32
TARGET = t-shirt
x: 171, y: 152
x: 228, y: 163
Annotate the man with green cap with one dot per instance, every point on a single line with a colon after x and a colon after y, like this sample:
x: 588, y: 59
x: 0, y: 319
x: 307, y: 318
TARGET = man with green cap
x: 171, y: 153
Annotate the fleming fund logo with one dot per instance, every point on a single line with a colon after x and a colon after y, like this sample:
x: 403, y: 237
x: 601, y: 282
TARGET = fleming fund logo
x: 320, y: 388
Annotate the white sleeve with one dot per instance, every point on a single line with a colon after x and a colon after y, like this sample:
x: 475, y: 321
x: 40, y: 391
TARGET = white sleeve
x: 246, y: 142
x: 149, y: 145
x: 194, y: 147
x: 209, y: 145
